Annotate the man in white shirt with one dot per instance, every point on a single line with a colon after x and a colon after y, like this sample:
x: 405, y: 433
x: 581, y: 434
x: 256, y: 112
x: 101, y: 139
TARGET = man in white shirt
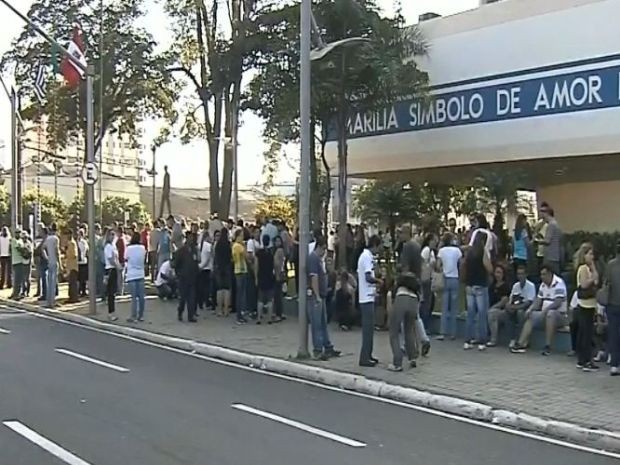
x: 521, y: 298
x: 549, y: 307
x: 367, y: 291
x: 5, y: 258
x: 166, y: 281
x: 449, y: 257
x: 82, y: 262
x: 205, y: 266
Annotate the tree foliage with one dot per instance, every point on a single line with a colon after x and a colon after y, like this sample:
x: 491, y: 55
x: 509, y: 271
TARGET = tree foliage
x: 348, y: 80
x: 53, y: 209
x: 215, y: 44
x: 278, y: 207
x: 387, y: 204
x: 135, y: 84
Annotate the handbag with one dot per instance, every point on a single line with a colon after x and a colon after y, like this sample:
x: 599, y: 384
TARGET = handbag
x: 587, y: 293
x: 602, y: 295
x: 437, y: 282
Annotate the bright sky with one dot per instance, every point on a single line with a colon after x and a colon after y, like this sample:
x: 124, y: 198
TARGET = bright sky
x: 188, y: 163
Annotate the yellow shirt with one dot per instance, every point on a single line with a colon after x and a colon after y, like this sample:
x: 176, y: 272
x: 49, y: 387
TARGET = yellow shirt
x: 238, y: 256
x: 585, y: 303
x: 71, y: 256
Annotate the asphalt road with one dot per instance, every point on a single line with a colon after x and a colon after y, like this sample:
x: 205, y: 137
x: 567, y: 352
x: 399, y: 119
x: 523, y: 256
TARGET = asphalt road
x: 170, y: 408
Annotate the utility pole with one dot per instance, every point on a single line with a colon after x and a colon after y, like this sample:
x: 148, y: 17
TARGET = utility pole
x: 90, y: 147
x: 304, y: 181
x: 90, y: 188
x: 15, y: 170
x: 153, y: 172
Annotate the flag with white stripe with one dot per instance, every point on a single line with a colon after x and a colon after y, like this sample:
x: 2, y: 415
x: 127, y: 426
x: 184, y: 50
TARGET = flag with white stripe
x: 39, y: 83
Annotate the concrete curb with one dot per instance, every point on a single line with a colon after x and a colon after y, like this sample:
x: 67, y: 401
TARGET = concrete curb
x: 594, y: 438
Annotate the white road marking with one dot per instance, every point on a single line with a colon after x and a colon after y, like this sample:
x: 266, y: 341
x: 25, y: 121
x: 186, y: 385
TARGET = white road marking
x: 298, y: 425
x: 438, y: 413
x: 4, y: 331
x: 44, y: 443
x: 94, y: 361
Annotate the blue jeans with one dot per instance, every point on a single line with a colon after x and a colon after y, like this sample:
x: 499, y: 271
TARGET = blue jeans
x: 42, y: 289
x: 450, y: 310
x: 368, y: 331
x: 52, y: 282
x: 241, y: 281
x: 477, y: 303
x: 613, y: 331
x: 136, y: 289
x: 317, y: 316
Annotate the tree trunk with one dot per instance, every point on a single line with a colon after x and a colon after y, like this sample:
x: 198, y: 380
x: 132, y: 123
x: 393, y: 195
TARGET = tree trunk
x: 327, y: 192
x: 214, y: 148
x: 231, y: 128
x: 342, y: 169
x: 315, y: 184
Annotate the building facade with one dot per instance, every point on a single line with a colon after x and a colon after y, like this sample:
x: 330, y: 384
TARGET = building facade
x: 524, y: 86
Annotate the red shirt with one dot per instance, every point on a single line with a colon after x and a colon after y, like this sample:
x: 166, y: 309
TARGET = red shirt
x: 120, y: 246
x: 144, y: 238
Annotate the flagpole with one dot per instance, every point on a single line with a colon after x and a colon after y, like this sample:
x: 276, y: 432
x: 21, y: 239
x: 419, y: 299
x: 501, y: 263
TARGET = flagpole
x: 90, y: 147
x: 101, y: 111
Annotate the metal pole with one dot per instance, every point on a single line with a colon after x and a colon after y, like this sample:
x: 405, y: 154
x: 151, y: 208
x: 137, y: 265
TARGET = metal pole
x: 235, y: 147
x: 90, y: 189
x: 304, y: 181
x: 101, y: 112
x: 154, y: 174
x: 15, y: 170
x: 19, y: 168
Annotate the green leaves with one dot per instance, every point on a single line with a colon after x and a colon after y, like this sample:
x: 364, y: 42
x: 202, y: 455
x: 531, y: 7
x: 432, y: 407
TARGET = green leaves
x: 127, y: 65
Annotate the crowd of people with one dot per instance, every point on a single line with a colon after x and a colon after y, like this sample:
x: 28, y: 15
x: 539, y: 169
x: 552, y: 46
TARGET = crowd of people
x: 510, y: 293
x: 386, y: 282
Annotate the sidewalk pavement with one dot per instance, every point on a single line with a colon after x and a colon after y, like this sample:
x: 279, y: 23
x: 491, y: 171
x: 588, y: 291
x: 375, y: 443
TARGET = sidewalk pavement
x: 548, y: 387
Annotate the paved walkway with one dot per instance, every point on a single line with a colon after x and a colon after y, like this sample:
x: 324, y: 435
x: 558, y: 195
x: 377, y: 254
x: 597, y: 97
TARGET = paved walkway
x: 544, y: 386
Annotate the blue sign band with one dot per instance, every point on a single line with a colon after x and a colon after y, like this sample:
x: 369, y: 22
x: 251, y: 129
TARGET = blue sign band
x: 551, y: 95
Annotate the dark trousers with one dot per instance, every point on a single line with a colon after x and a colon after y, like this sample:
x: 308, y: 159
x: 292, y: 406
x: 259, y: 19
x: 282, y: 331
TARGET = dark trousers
x: 187, y: 298
x: 613, y: 334
x: 83, y: 278
x: 368, y: 331
x: 112, y: 275
x: 574, y: 329
x: 5, y: 272
x: 278, y: 300
x: 203, y: 287
x: 585, y: 334
x: 73, y: 286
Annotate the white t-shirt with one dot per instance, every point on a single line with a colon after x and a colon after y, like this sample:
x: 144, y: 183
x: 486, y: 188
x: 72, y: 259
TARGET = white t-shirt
x: 331, y: 243
x: 557, y: 289
x: 450, y: 256
x: 366, y: 264
x: 111, y: 256
x: 527, y: 292
x: 135, y: 256
x: 490, y: 239
x: 83, y: 248
x: 5, y: 246
x: 164, y: 270
x: 253, y: 246
x: 206, y: 262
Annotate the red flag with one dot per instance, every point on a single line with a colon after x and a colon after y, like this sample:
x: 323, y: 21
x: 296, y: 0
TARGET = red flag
x: 71, y: 72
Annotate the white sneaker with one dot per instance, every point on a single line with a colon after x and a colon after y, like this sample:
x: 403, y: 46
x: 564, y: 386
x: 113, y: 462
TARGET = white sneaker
x: 112, y: 317
x: 482, y: 347
x: 468, y: 346
x: 513, y: 343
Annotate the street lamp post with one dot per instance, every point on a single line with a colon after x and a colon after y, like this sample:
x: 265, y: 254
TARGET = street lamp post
x: 304, y: 172
x: 90, y: 147
x: 307, y: 56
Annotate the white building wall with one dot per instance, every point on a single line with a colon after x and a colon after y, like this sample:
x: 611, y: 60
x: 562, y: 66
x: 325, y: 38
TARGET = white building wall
x: 506, y: 37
